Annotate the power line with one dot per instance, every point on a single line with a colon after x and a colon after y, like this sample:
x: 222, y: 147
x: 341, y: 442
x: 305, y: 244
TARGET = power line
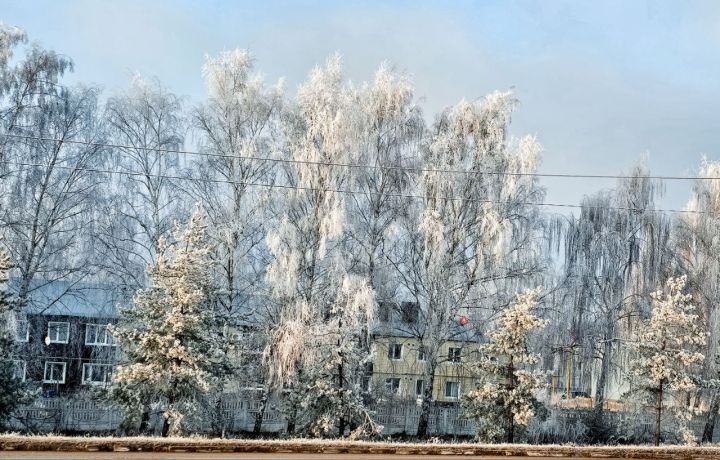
x: 360, y: 166
x: 348, y: 192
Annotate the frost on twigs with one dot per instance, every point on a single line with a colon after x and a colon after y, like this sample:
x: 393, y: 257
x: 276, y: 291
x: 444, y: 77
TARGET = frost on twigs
x: 666, y: 356
x: 507, y: 395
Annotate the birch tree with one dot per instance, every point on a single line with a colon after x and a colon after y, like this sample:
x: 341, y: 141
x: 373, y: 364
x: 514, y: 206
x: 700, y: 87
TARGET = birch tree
x: 145, y: 123
x: 321, y: 306
x: 47, y: 189
x: 25, y: 85
x: 390, y: 134
x: 666, y: 348
x: 239, y: 128
x: 475, y: 236
x: 698, y: 250
x: 508, y: 395
x: 171, y: 337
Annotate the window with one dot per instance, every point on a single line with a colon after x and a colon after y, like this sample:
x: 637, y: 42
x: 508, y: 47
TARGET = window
x: 419, y: 387
x: 393, y: 385
x: 452, y: 390
x: 19, y: 369
x: 54, y: 372
x: 98, y: 334
x: 22, y: 331
x: 58, y: 332
x: 421, y: 353
x: 395, y: 351
x: 96, y: 374
x: 365, y: 383
x: 454, y: 354
x: 367, y: 375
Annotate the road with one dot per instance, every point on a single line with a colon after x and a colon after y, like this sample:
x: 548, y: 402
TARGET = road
x: 221, y: 456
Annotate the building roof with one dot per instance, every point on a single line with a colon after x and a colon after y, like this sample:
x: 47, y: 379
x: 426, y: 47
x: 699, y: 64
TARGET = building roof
x: 66, y: 298
x: 405, y: 320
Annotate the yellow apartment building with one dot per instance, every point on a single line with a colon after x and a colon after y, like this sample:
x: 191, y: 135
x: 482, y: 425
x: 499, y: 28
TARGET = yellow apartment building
x: 399, y: 367
x: 399, y: 361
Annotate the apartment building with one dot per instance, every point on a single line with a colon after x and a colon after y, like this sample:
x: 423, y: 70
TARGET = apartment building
x: 400, y: 360
x: 62, y: 337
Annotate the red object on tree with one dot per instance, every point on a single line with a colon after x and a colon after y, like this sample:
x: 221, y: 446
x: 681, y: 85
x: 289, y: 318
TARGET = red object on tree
x: 463, y: 320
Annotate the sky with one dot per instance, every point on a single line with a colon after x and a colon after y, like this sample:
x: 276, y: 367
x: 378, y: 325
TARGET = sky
x: 603, y: 85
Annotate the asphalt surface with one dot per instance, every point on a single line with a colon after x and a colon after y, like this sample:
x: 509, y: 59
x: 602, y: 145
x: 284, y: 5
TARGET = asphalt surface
x: 222, y: 456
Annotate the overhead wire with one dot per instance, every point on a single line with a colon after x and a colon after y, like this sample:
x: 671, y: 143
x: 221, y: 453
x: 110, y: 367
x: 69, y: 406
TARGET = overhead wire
x: 360, y: 166
x: 343, y: 191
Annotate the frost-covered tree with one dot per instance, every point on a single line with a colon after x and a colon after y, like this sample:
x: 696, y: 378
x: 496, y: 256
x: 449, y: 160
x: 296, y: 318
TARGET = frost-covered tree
x: 666, y: 353
x: 238, y: 127
x: 25, y: 85
x: 473, y: 241
x: 12, y: 390
x: 507, y: 395
x: 145, y: 123
x: 616, y: 252
x: 321, y: 306
x: 389, y: 137
x: 698, y: 254
x: 48, y: 189
x: 171, y: 336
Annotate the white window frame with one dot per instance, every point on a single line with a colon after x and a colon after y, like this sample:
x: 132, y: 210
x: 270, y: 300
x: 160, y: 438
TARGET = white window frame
x: 421, y: 355
x: 64, y: 372
x: 389, y: 385
x: 108, y: 339
x: 447, y: 386
x: 55, y: 340
x: 87, y: 372
x: 24, y: 368
x: 19, y: 338
x: 391, y: 351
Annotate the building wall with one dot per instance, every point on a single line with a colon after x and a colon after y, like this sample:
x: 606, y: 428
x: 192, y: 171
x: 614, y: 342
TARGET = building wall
x: 409, y: 369
x: 37, y: 351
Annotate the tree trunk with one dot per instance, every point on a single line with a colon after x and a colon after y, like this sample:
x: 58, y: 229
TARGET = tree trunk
x: 257, y: 427
x: 604, y: 370
x: 166, y: 419
x: 165, y: 427
x: 712, y: 417
x: 658, y: 412
x: 144, y: 420
x: 341, y: 384
x: 423, y: 421
x: 509, y: 413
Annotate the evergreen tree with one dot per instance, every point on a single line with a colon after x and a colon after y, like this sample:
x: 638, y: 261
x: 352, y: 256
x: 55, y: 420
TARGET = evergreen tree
x: 666, y: 351
x: 172, y: 338
x: 11, y: 388
x: 507, y: 395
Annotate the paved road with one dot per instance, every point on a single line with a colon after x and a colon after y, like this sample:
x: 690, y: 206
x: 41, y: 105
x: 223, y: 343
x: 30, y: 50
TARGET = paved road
x: 220, y: 456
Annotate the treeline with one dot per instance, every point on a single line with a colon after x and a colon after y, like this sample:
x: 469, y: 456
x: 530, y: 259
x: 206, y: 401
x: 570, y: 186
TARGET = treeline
x: 307, y: 211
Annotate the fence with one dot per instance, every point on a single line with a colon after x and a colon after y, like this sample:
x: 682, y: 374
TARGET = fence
x: 238, y: 414
x: 56, y: 415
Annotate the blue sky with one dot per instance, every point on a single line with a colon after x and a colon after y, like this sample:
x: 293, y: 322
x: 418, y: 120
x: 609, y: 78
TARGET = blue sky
x: 601, y: 84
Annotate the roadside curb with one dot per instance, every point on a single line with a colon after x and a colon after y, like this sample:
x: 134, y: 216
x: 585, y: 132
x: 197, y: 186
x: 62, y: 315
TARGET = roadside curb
x: 203, y: 445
